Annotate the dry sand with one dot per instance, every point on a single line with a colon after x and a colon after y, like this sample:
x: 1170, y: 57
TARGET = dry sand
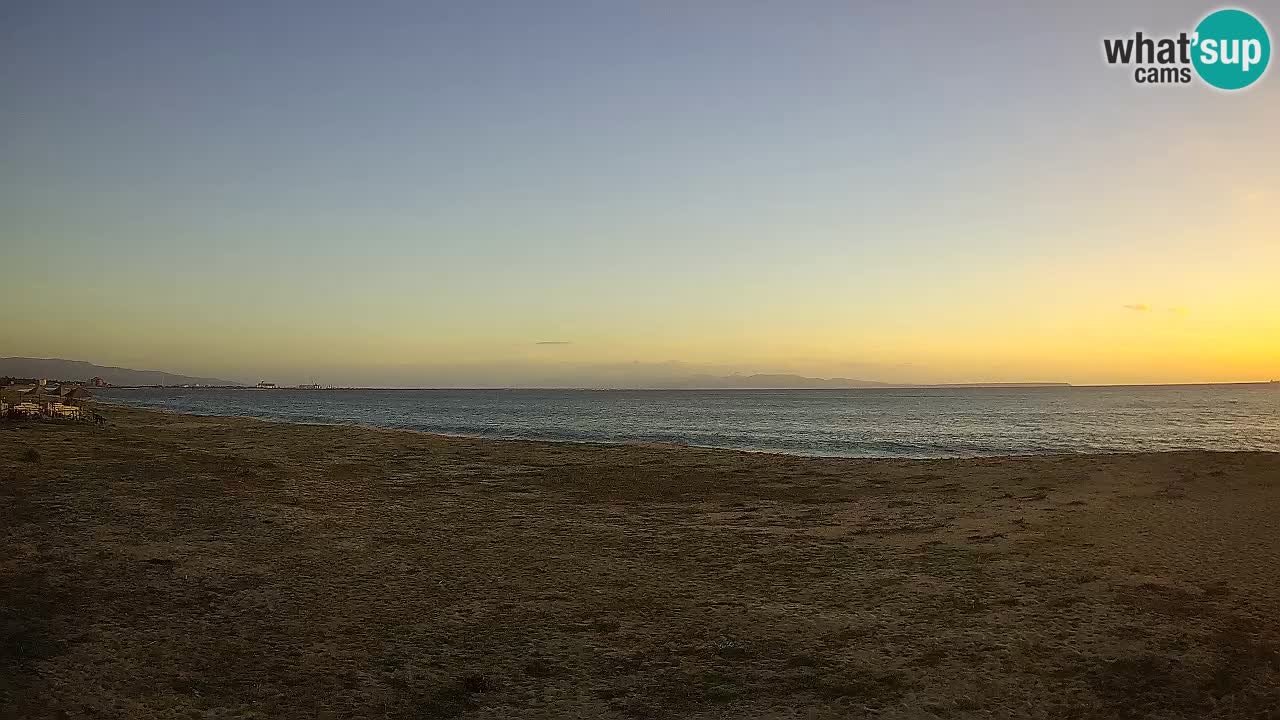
x: 175, y: 566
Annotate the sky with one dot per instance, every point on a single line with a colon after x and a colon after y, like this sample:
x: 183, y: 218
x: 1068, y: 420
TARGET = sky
x: 602, y: 193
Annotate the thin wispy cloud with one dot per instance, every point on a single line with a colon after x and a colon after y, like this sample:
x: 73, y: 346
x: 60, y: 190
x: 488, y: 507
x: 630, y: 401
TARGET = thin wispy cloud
x: 1145, y: 308
x: 552, y: 342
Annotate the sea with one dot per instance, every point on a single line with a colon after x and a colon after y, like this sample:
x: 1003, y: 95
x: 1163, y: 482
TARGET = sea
x: 907, y: 423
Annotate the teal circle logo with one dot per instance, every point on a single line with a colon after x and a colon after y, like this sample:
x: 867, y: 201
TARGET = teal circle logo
x: 1232, y: 49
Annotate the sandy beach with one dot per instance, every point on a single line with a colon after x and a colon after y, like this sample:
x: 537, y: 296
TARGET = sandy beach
x: 180, y: 566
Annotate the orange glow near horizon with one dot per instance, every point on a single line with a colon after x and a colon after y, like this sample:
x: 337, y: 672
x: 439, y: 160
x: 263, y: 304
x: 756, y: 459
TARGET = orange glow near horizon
x: 755, y: 197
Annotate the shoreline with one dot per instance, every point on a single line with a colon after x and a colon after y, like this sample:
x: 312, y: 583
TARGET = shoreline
x: 557, y: 388
x: 171, y: 564
x: 670, y: 443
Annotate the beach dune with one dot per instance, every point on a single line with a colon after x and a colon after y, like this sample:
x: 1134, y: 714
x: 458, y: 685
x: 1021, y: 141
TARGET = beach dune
x: 176, y: 566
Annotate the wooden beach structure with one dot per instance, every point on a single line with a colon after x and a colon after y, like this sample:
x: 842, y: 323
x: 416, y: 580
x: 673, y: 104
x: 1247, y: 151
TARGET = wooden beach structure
x: 41, y: 401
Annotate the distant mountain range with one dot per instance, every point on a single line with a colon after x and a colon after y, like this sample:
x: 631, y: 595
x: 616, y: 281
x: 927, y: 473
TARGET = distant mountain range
x: 77, y: 370
x: 800, y: 382
x: 768, y: 381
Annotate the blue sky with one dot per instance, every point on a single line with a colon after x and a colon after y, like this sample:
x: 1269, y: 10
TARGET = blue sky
x: 338, y: 190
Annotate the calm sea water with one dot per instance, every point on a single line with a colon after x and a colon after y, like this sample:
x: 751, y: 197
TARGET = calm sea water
x: 858, y: 423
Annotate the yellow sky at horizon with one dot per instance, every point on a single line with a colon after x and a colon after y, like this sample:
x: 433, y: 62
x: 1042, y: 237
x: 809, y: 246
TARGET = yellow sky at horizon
x: 1197, y: 304
x: 1028, y: 214
x: 1233, y: 335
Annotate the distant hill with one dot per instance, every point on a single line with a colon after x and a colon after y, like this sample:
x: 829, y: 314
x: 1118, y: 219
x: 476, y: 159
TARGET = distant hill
x: 773, y: 381
x: 78, y: 370
x: 996, y: 385
x: 797, y: 382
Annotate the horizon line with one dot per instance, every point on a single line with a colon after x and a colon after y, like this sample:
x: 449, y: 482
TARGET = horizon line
x: 885, y: 386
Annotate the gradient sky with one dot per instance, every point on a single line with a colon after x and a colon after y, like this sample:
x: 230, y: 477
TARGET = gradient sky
x: 424, y: 193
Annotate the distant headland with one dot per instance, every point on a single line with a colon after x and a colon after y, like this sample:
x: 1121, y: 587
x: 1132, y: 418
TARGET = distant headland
x: 80, y: 371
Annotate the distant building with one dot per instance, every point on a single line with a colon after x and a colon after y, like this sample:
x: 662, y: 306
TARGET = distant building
x: 267, y: 385
x: 98, y: 382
